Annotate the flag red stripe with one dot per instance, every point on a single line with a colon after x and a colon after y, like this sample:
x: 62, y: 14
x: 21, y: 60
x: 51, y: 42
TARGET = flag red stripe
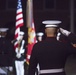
x: 16, y: 35
x: 19, y: 25
x: 19, y: 19
x: 19, y: 13
x: 15, y: 46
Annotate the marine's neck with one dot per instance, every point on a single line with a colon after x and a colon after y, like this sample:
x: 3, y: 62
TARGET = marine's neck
x: 51, y: 35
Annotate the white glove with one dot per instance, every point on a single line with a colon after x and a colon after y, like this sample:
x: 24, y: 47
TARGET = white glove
x: 58, y: 36
x: 24, y: 60
x: 10, y: 68
x: 22, y: 51
x: 65, y: 32
x: 18, y: 55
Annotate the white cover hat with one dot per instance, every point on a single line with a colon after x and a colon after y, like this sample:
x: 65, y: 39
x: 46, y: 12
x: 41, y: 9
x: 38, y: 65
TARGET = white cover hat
x: 3, y: 29
x: 40, y: 34
x: 51, y: 23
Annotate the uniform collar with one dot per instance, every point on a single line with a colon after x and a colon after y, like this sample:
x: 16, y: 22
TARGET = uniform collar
x: 52, y: 38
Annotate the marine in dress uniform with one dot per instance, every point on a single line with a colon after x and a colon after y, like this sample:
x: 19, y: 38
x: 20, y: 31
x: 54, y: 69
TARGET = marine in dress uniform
x: 39, y: 38
x: 6, y: 50
x: 3, y: 48
x: 50, y: 54
x: 20, y: 59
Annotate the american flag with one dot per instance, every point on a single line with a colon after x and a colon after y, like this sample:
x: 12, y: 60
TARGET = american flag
x: 19, y: 20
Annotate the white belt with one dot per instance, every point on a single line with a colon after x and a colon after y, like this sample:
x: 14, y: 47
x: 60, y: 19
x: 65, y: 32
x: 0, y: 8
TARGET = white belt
x: 51, y: 71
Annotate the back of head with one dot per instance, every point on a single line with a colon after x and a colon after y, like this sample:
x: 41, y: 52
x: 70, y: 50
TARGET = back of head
x: 51, y: 31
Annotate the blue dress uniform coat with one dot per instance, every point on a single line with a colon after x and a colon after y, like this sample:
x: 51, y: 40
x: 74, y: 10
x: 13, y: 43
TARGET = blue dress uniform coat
x: 72, y: 38
x: 6, y: 52
x: 50, y: 54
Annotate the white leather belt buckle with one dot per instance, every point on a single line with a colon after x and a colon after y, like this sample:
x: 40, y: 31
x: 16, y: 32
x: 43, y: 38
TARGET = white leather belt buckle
x: 51, y: 71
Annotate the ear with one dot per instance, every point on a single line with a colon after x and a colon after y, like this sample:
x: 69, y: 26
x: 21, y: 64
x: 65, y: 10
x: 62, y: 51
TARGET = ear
x: 74, y: 45
x: 57, y: 30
